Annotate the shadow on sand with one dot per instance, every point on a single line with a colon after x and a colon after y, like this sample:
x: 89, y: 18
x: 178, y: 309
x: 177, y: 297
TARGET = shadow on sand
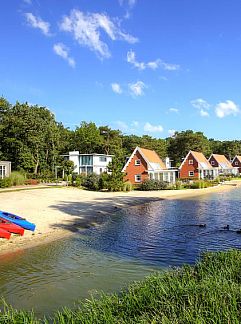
x: 93, y: 213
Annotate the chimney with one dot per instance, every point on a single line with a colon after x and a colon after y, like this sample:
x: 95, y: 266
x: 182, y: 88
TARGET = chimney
x: 167, y: 162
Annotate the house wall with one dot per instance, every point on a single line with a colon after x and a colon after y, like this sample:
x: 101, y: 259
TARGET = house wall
x: 238, y: 165
x: 186, y: 167
x: 213, y: 162
x: 74, y: 156
x: 100, y: 166
x: 132, y: 169
x: 5, y: 167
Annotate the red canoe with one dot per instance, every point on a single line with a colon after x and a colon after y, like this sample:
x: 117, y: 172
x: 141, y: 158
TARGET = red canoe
x: 5, y: 234
x: 10, y: 227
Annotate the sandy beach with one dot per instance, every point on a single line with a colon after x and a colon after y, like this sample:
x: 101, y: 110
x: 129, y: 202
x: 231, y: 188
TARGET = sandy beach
x: 61, y: 211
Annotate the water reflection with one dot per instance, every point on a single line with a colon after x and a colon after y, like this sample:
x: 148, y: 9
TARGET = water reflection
x: 130, y: 245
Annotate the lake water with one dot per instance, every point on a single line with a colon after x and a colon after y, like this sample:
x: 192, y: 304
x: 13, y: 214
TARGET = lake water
x: 128, y: 246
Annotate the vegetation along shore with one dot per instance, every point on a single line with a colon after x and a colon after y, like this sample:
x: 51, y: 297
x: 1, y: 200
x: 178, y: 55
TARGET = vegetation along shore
x: 208, y: 292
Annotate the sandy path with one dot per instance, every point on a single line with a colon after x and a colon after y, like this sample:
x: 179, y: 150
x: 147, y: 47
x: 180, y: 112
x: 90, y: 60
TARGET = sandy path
x: 58, y: 212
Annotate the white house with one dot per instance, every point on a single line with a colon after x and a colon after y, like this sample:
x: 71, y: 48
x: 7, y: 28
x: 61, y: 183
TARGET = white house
x: 89, y: 163
x: 5, y: 169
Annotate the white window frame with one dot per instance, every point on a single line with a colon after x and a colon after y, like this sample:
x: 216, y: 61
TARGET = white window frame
x: 191, y: 173
x: 190, y: 162
x: 212, y: 162
x: 138, y: 162
x: 137, y: 177
x: 103, y: 159
x: 3, y: 171
x: 236, y: 162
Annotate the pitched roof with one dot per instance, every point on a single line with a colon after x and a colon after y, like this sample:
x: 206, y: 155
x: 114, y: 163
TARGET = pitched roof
x: 237, y: 157
x: 202, y: 161
x: 222, y: 161
x: 152, y: 158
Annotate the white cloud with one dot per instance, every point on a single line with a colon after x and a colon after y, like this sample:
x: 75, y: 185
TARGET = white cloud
x: 202, y: 105
x: 171, y: 132
x: 152, y: 128
x: 116, y: 88
x: 63, y: 51
x: 86, y: 29
x: 131, y: 58
x: 204, y: 113
x: 174, y: 110
x: 130, y: 3
x: 29, y: 2
x: 226, y: 108
x: 37, y: 22
x: 137, y: 89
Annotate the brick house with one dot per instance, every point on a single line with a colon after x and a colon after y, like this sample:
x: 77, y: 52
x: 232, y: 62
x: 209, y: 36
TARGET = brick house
x: 196, y: 166
x: 236, y: 163
x: 144, y: 164
x: 222, y: 163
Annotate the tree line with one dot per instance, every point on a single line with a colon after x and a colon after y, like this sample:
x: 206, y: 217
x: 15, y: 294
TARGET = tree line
x: 32, y: 139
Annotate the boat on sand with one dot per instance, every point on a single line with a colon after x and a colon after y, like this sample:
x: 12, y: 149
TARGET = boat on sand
x: 10, y: 227
x: 4, y: 234
x: 15, y: 219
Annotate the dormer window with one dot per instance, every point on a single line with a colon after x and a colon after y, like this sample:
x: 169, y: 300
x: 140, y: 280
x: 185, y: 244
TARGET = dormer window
x: 190, y: 161
x: 212, y: 162
x: 138, y: 162
x: 236, y: 162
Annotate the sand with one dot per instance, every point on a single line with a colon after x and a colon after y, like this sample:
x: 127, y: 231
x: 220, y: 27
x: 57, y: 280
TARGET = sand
x: 61, y: 211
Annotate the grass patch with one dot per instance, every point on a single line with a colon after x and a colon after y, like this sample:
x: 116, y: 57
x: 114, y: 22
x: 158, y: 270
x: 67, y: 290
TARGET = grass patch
x: 209, y: 292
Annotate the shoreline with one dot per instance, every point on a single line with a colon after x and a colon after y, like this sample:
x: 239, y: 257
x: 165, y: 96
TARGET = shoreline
x: 61, y: 212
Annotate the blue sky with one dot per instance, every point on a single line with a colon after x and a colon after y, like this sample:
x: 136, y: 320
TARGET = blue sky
x: 145, y: 67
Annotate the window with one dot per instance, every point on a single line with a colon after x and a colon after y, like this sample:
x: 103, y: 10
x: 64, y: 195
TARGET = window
x: 137, y: 177
x: 236, y: 162
x: 212, y: 162
x: 2, y: 171
x: 191, y: 173
x: 101, y: 170
x: 89, y: 170
x: 103, y: 159
x: 86, y: 160
x: 137, y: 162
x: 190, y: 161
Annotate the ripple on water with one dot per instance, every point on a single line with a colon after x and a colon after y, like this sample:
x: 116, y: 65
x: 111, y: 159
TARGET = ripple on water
x: 130, y: 245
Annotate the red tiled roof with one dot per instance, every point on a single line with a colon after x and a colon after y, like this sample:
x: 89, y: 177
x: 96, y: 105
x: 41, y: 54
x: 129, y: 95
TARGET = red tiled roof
x: 152, y: 157
x: 222, y: 160
x: 200, y: 158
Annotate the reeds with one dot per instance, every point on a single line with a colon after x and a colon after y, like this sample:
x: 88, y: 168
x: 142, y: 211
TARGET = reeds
x: 209, y: 292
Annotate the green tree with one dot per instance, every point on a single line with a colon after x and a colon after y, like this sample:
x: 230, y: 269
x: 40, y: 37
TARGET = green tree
x: 111, y: 139
x: 182, y: 142
x: 115, y: 179
x: 87, y: 138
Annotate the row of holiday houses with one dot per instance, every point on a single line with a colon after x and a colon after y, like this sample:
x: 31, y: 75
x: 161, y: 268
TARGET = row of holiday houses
x: 145, y: 164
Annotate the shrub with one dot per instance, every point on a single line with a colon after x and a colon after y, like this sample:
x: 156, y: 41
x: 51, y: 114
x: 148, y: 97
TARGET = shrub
x: 153, y: 185
x: 103, y: 181
x: 17, y: 178
x: 127, y: 186
x: 5, y: 183
x: 179, y: 185
x: 91, y: 181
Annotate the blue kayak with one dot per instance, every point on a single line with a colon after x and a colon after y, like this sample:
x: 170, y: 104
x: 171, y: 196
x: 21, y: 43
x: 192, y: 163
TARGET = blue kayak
x: 17, y: 220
